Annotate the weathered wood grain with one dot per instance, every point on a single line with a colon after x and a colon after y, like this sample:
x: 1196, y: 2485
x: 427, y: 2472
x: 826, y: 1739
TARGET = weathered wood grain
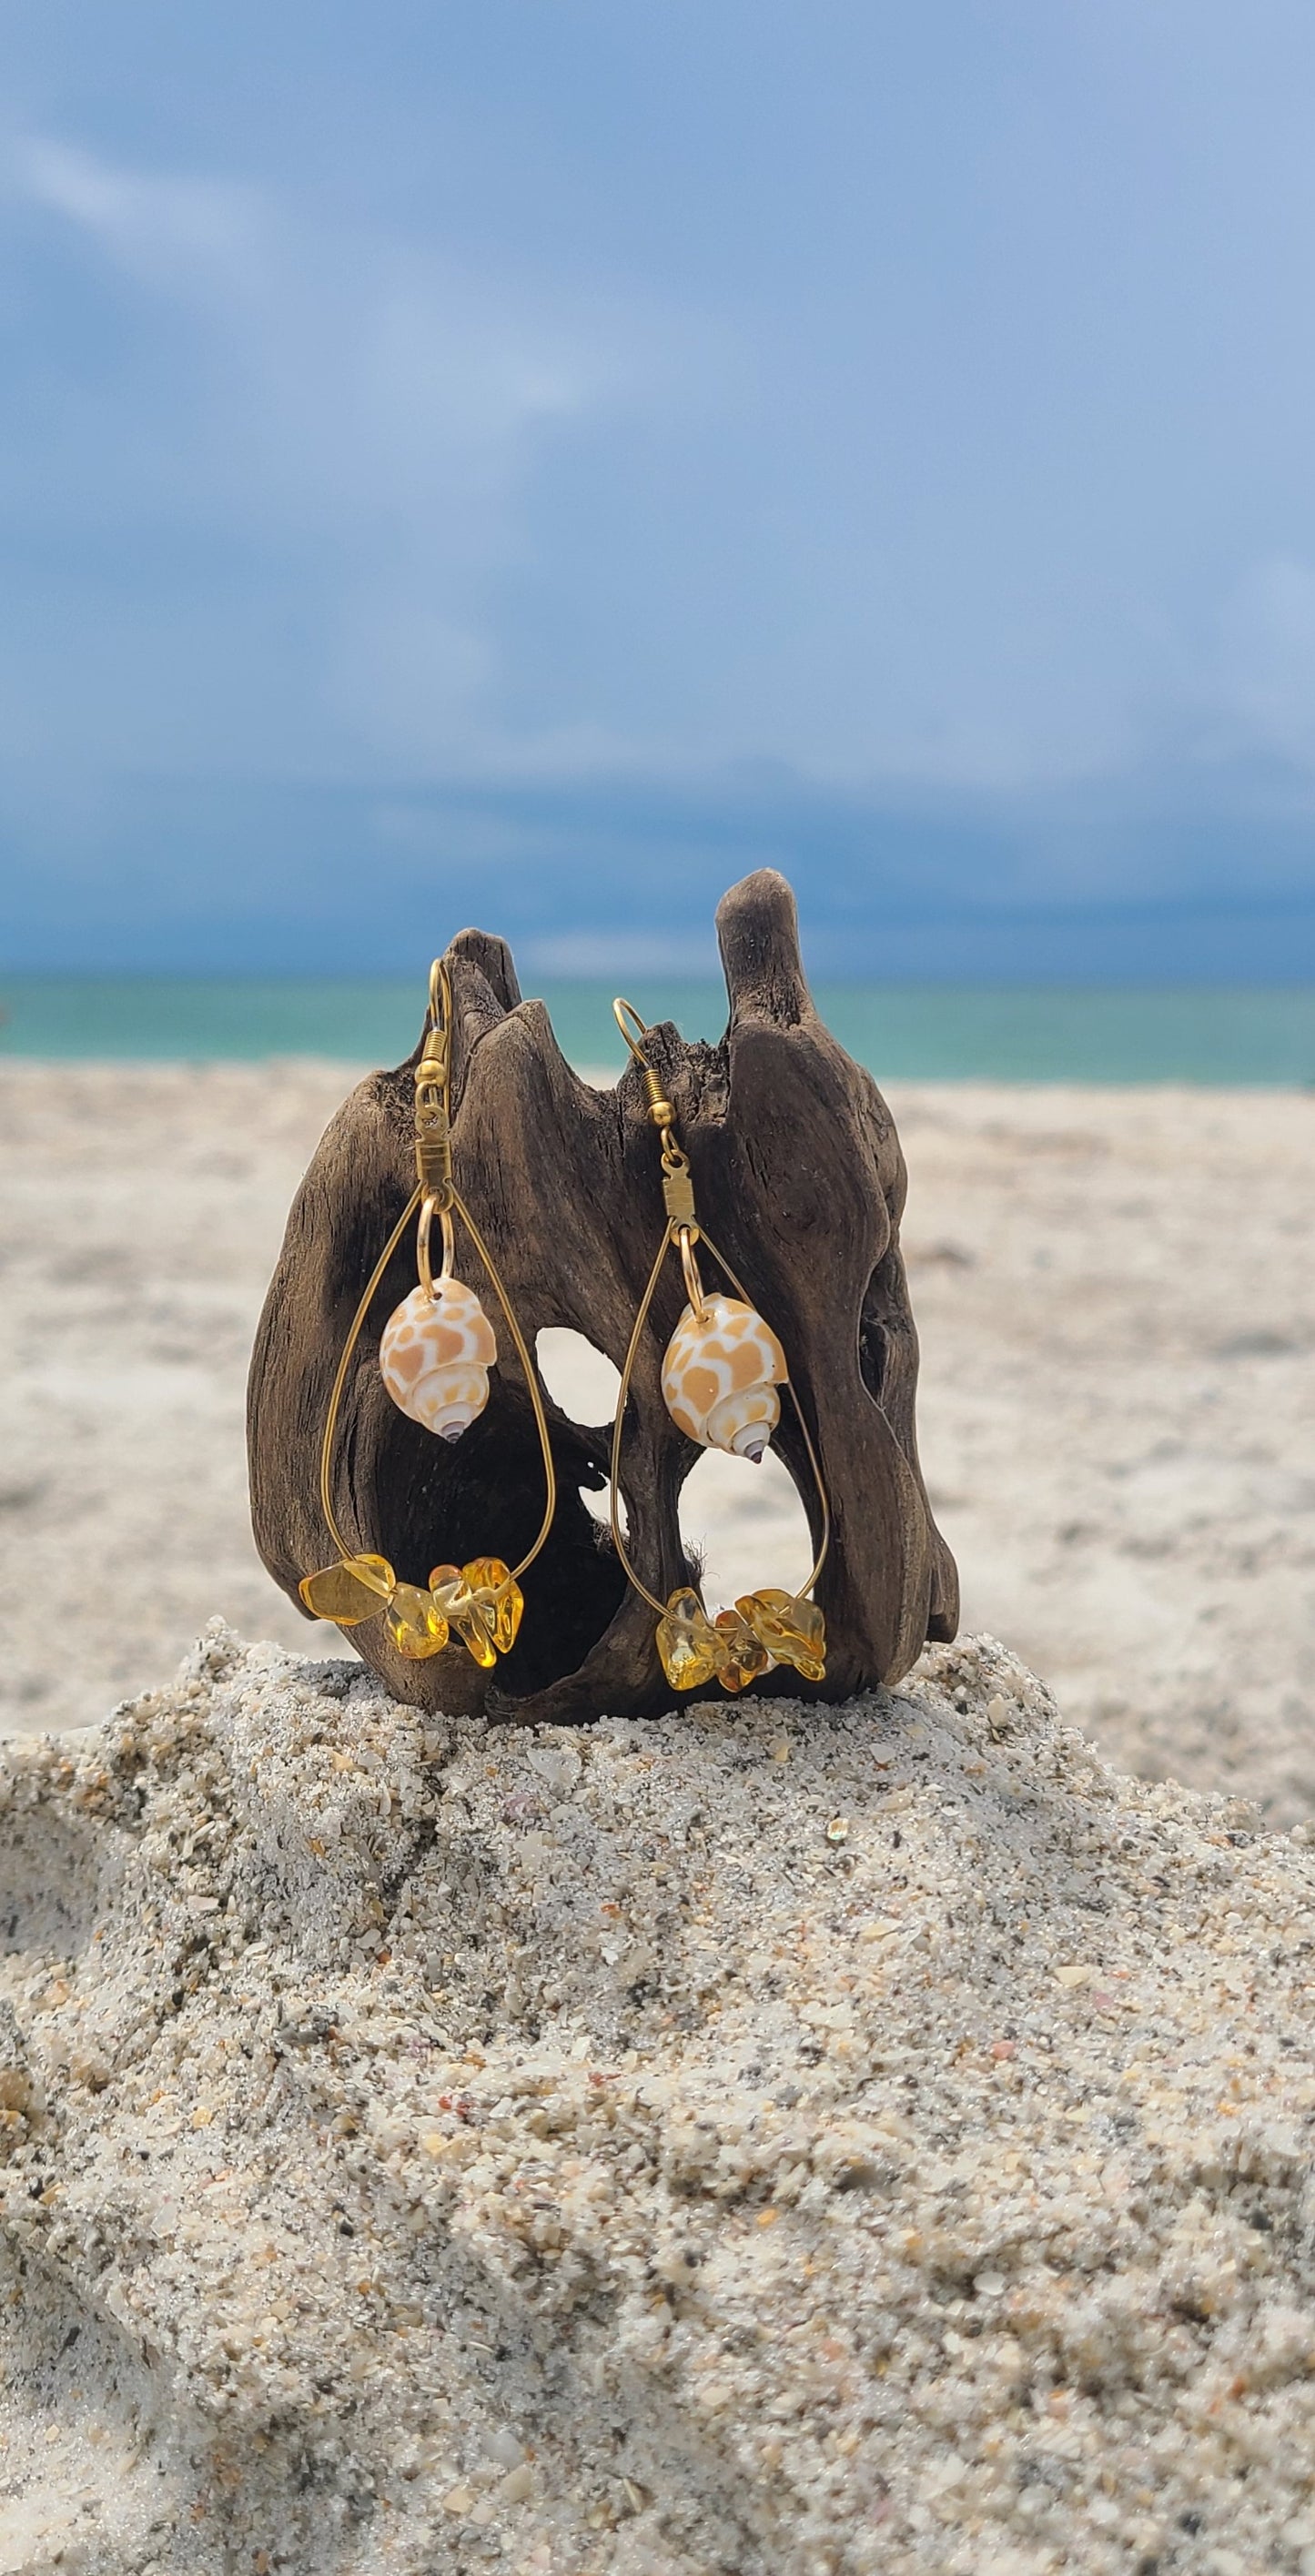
x: 798, y: 1174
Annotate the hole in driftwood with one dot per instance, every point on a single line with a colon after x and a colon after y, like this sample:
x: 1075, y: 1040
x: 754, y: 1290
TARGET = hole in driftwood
x: 574, y: 1588
x: 599, y: 1504
x: 746, y: 1525
x: 578, y: 1376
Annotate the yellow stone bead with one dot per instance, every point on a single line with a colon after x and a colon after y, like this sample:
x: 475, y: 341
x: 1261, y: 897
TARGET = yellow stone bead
x: 415, y: 1623
x: 686, y: 1642
x: 474, y: 1634
x: 489, y: 1574
x: 473, y: 1620
x: 353, y: 1590
x: 792, y: 1629
x: 740, y: 1656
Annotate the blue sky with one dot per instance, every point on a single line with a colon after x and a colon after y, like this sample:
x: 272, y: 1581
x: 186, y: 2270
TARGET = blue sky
x: 529, y: 462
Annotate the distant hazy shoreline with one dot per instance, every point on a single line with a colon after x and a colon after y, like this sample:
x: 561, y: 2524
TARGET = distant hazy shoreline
x: 1226, y: 1036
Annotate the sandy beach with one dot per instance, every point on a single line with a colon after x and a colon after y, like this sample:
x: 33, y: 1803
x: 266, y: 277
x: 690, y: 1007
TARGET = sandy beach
x: 690, y: 485
x: 1113, y: 1290
x: 764, y: 2142
x: 769, y: 2141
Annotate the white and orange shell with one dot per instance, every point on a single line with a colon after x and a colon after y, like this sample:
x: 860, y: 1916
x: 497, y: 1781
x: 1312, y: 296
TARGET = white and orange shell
x: 435, y: 1355
x: 720, y: 1376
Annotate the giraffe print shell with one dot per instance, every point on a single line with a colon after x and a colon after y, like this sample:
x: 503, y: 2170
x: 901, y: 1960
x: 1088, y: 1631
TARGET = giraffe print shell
x: 435, y: 1357
x: 720, y: 1376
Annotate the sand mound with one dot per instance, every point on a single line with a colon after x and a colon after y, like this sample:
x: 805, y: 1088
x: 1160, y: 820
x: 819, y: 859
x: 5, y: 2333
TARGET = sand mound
x: 811, y: 2143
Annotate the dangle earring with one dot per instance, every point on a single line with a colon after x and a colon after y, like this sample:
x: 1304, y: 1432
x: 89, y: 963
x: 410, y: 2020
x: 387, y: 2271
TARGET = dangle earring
x: 720, y: 1375
x: 435, y: 1353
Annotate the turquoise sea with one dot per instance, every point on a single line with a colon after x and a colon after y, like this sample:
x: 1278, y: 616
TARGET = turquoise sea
x: 930, y: 1032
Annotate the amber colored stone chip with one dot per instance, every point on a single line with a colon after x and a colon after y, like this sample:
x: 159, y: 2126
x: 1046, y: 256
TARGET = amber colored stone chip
x: 791, y: 1628
x: 415, y: 1623
x: 687, y: 1642
x: 353, y: 1590
x: 489, y: 1574
x: 475, y: 1622
x: 741, y: 1657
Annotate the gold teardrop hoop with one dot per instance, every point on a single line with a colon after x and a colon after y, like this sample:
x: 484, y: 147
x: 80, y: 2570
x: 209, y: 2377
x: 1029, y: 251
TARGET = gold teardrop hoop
x: 764, y: 1627
x: 627, y: 1374
x: 460, y: 1209
x: 481, y: 1601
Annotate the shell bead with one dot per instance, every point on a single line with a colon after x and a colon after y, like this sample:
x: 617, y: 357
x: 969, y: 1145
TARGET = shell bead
x: 435, y: 1355
x: 720, y: 1376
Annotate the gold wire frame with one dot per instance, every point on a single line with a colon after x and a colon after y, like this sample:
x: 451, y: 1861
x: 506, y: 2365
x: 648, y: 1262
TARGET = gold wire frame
x: 684, y: 1233
x: 445, y: 1201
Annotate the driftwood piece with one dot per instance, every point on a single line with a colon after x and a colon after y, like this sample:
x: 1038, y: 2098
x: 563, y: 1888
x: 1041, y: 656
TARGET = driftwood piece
x: 799, y: 1176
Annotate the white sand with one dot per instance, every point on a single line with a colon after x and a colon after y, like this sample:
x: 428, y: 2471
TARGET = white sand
x: 1114, y: 1291
x: 770, y: 2142
x: 779, y: 2142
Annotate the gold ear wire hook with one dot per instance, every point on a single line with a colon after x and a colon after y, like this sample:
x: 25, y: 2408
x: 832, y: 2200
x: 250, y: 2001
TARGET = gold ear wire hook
x: 624, y: 1013
x: 433, y: 1124
x: 659, y: 1107
x: 677, y: 1180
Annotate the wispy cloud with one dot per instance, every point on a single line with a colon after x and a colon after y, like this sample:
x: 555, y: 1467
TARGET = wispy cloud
x: 377, y: 402
x: 629, y: 454
x: 155, y: 222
